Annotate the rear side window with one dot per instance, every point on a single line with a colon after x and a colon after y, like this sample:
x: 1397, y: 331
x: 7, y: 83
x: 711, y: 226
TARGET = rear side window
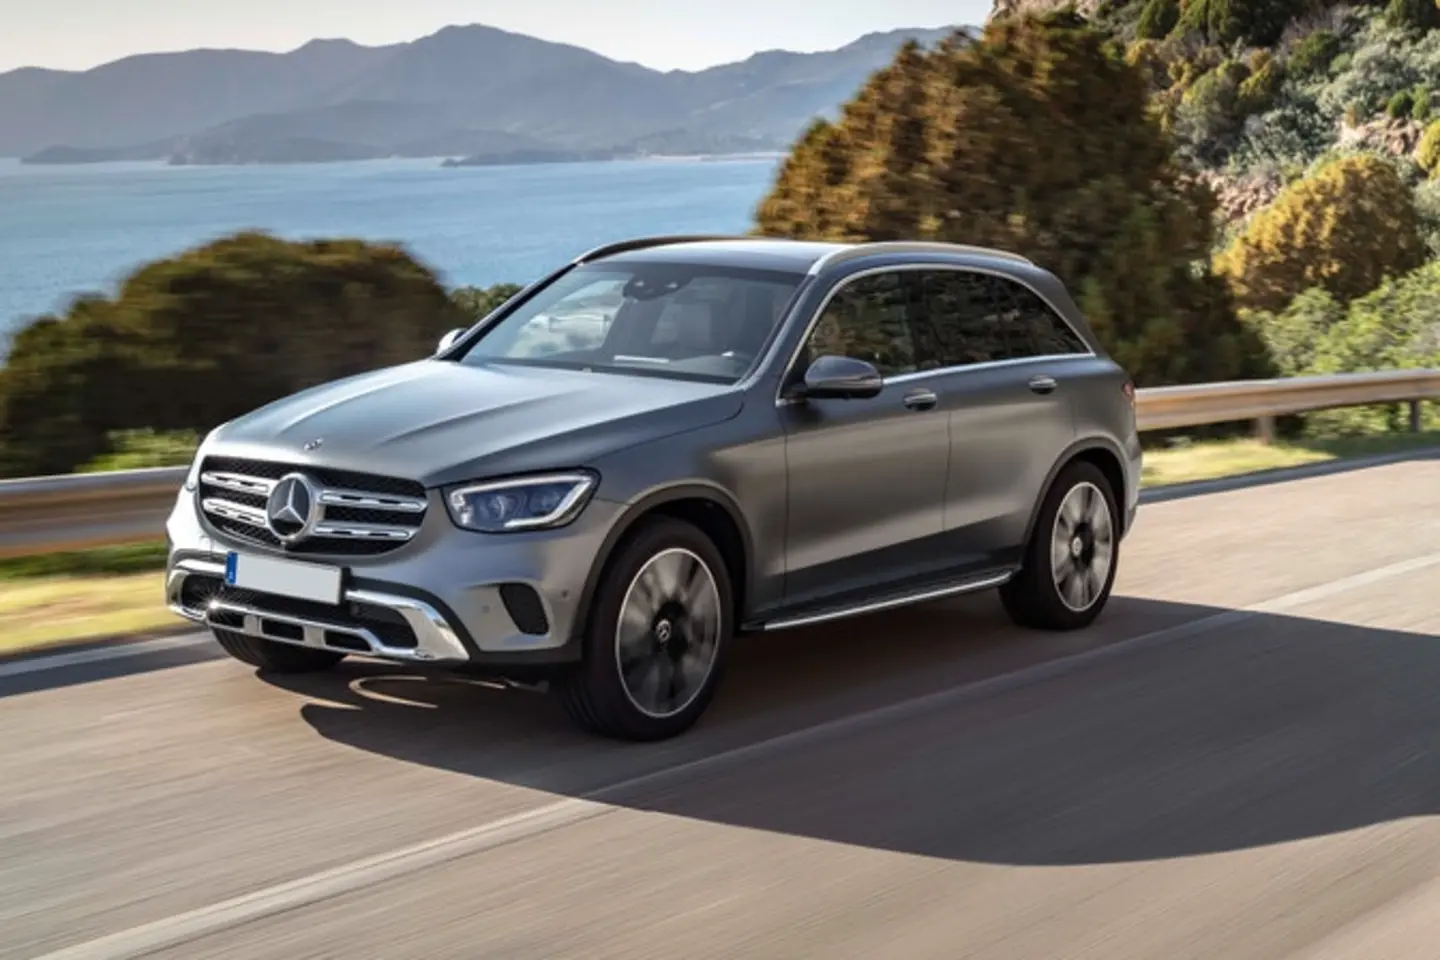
x: 1034, y: 323
x: 869, y: 319
x: 961, y: 320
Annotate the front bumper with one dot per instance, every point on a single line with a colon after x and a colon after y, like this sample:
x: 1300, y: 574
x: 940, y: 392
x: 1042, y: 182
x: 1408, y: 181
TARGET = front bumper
x: 447, y: 597
x: 435, y: 638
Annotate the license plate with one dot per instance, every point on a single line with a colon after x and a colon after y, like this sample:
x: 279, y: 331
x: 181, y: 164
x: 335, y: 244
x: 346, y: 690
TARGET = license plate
x: 285, y: 578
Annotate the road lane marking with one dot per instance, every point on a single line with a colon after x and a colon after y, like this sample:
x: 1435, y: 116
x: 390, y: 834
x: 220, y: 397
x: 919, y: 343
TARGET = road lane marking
x: 367, y: 872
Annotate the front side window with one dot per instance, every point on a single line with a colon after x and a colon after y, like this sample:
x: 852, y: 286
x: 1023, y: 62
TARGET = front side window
x: 685, y: 321
x: 868, y: 319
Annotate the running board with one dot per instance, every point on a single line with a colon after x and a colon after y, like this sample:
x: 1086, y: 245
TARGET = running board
x: 891, y: 603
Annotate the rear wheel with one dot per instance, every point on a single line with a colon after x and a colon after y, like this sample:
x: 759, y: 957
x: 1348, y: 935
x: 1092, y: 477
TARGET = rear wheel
x: 1070, y: 562
x: 273, y: 657
x: 657, y: 635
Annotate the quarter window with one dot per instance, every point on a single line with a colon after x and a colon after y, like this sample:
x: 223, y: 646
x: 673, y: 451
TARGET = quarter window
x: 1035, y: 323
x: 869, y: 319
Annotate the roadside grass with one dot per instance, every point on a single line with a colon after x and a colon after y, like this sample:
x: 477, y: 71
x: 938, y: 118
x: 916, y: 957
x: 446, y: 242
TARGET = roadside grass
x: 1191, y: 462
x: 116, y: 591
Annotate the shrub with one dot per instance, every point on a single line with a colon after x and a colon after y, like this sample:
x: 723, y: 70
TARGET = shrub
x: 1157, y: 18
x: 1427, y: 153
x: 1036, y: 138
x: 1314, y: 54
x: 1251, y: 22
x: 1400, y: 104
x: 1427, y: 208
x: 1385, y: 62
x: 200, y: 338
x: 1397, y: 326
x: 1412, y: 14
x: 1344, y: 228
x: 1293, y: 335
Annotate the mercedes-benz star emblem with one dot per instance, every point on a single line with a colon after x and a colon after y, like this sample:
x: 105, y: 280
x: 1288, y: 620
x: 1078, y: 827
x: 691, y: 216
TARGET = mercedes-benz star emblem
x: 292, y: 507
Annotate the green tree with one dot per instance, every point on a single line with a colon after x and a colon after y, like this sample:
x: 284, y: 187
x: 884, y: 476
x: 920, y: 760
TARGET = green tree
x: 1344, y: 228
x: 200, y: 338
x: 1038, y: 139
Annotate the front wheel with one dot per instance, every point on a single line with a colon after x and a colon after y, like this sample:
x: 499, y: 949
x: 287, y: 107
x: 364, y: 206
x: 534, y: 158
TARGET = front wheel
x: 656, y: 638
x: 1070, y: 562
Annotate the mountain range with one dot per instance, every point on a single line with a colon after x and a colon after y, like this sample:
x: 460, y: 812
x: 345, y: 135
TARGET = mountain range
x: 472, y: 91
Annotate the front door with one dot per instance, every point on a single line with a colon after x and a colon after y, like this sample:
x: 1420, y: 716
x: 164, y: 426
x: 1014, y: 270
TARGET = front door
x: 867, y: 478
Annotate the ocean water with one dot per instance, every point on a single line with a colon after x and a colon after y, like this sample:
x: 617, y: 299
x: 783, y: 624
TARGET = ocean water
x: 70, y: 230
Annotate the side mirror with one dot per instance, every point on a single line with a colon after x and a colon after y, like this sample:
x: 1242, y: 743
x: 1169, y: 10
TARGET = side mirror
x: 841, y: 378
x: 447, y: 341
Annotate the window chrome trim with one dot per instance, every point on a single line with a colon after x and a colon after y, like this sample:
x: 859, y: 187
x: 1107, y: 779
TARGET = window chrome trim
x: 781, y: 401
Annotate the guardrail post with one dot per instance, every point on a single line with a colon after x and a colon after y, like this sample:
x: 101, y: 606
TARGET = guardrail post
x: 1265, y: 430
x: 1414, y: 416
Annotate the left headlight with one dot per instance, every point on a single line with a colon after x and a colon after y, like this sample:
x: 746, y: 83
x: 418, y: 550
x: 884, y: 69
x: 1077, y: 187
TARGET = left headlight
x: 523, y: 503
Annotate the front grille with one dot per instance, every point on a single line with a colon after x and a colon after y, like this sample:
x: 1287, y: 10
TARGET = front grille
x: 357, y: 514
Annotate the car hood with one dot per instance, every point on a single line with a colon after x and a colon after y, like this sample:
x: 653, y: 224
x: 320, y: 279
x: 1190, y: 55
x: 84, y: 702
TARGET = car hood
x: 441, y: 422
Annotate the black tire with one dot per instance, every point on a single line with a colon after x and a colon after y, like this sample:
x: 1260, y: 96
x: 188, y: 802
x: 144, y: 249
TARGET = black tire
x: 594, y: 693
x: 1033, y: 598
x: 272, y: 657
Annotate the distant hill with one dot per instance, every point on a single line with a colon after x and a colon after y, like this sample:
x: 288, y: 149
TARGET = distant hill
x: 474, y: 92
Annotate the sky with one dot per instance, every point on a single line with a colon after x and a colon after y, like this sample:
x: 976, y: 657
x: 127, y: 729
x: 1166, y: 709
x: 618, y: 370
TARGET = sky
x: 664, y: 34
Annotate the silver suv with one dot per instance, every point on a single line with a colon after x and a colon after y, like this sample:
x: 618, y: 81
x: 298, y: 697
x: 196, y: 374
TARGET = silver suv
x: 663, y: 444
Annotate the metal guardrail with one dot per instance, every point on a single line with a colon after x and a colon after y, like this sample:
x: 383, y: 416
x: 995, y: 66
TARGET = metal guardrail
x: 51, y: 514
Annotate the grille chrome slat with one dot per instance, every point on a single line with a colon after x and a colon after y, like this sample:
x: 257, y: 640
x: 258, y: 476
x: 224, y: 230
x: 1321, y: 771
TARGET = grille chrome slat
x: 368, y: 531
x: 352, y: 518
x: 238, y: 483
x: 230, y: 510
x: 371, y: 501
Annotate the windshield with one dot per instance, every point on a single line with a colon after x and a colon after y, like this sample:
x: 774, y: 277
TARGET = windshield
x: 686, y: 321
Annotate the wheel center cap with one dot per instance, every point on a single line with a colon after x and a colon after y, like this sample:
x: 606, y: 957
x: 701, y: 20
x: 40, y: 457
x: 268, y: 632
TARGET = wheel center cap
x: 663, y: 631
x: 1077, y: 547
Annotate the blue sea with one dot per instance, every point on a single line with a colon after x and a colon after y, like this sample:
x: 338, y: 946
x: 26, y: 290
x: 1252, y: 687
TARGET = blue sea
x: 70, y: 230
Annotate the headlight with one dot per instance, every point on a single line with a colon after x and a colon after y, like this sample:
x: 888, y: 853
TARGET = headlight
x: 525, y: 503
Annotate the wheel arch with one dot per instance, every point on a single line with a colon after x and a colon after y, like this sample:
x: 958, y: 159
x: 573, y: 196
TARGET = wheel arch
x: 1106, y: 456
x: 710, y: 508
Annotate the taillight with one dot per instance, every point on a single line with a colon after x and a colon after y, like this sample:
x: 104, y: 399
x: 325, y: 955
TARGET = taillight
x: 1129, y: 391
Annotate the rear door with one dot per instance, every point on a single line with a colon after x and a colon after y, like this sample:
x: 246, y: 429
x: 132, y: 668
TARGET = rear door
x: 1001, y: 369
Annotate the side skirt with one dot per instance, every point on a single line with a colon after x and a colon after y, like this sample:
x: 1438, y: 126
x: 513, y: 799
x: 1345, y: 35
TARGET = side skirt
x: 890, y: 601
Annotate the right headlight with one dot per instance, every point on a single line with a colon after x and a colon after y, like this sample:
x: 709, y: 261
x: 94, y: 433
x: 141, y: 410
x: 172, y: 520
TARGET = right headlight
x: 540, y: 502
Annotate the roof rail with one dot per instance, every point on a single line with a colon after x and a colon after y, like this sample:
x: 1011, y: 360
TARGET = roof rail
x: 857, y: 250
x: 641, y: 243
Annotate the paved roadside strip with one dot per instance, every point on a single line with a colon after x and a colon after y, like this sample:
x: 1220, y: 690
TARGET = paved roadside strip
x: 357, y: 875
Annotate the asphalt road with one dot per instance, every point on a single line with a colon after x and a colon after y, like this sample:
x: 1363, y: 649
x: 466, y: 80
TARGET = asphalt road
x: 1241, y: 759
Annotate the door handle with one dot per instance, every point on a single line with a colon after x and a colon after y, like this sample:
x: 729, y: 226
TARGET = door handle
x: 1043, y: 384
x: 920, y: 400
